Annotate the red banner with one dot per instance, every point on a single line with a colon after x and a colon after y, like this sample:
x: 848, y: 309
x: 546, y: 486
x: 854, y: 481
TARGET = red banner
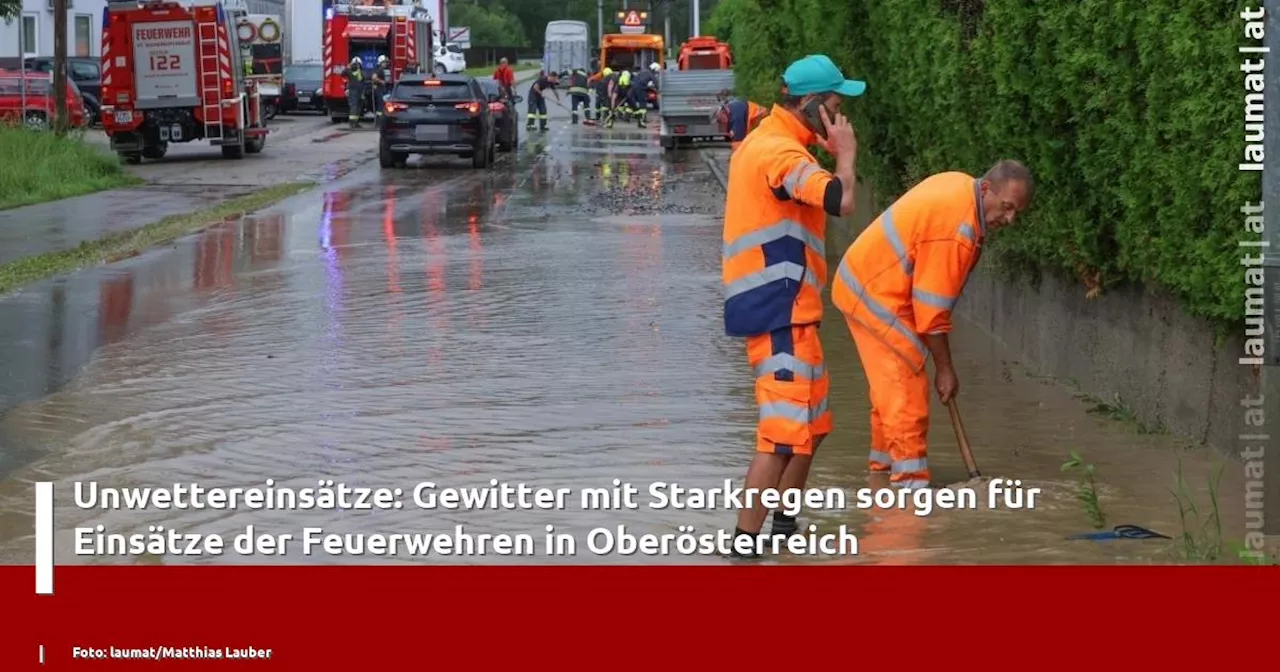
x: 417, y: 618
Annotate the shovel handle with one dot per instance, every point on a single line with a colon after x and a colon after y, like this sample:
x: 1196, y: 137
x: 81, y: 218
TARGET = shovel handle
x: 966, y: 452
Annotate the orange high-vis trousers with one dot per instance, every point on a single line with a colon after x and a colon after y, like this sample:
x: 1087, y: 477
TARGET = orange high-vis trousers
x: 899, y: 411
x: 791, y: 390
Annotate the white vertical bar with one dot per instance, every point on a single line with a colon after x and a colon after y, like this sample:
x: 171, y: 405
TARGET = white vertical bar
x: 42, y: 654
x: 44, y: 538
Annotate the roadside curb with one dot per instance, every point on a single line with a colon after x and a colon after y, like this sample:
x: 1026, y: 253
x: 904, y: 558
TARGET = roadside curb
x: 716, y: 169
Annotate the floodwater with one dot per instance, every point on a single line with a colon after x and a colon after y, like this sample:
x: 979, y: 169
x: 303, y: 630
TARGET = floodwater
x: 554, y: 321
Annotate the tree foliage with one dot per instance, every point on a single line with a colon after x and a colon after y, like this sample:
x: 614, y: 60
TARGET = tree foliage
x: 1129, y: 112
x: 491, y: 23
x: 10, y: 9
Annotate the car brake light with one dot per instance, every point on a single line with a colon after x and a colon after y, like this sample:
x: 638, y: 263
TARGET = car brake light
x: 392, y: 108
x: 473, y: 108
x: 431, y: 82
x: 497, y: 107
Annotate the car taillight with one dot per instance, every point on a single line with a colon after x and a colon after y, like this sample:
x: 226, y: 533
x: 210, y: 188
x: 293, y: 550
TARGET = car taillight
x: 392, y: 108
x: 496, y: 107
x: 473, y: 108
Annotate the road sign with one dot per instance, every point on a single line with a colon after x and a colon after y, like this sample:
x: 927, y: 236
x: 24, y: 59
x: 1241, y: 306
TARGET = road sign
x: 633, y: 18
x: 460, y: 36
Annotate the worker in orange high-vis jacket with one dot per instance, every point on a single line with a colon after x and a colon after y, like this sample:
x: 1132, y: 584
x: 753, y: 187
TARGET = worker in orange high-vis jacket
x: 775, y: 268
x: 897, y: 286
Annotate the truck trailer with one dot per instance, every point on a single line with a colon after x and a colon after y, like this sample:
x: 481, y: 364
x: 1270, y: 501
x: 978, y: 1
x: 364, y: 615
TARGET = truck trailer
x: 567, y: 47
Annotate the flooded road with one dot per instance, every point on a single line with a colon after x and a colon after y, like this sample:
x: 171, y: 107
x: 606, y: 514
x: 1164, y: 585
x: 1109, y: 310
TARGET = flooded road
x: 555, y: 321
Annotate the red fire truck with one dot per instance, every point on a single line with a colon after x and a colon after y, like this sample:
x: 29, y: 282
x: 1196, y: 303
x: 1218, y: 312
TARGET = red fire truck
x: 170, y: 73
x: 397, y: 29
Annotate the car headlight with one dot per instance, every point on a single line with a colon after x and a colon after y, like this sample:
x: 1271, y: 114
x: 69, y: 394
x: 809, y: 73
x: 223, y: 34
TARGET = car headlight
x: 319, y: 92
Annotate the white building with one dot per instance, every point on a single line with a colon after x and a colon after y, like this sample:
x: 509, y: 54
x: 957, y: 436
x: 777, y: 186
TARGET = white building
x: 34, y: 30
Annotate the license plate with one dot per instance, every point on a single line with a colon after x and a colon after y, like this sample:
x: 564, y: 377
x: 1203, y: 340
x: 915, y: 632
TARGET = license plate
x: 428, y: 133
x: 125, y: 117
x: 304, y: 99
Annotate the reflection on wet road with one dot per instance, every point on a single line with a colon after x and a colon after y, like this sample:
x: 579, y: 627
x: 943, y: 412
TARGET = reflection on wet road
x: 555, y: 320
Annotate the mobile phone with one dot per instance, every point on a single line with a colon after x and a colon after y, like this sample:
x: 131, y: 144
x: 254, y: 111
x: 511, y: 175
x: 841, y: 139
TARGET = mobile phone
x: 813, y: 114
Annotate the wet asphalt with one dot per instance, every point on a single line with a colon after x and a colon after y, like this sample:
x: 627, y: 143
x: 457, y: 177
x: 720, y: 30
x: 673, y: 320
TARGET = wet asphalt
x: 554, y: 319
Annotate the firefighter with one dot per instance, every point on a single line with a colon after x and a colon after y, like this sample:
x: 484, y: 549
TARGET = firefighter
x: 644, y: 81
x: 381, y: 84
x: 622, y: 93
x: 615, y: 96
x: 602, y: 93
x: 579, y: 95
x: 354, y: 76
x: 538, y: 100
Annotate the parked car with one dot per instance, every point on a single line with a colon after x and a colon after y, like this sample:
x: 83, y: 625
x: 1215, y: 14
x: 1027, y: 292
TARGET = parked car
x: 86, y: 72
x: 303, y: 90
x: 450, y: 60
x: 436, y: 114
x: 506, y: 125
x: 39, y: 100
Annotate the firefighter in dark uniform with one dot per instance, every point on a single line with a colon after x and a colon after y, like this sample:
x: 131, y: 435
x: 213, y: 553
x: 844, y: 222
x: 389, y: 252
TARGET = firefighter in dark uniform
x: 381, y: 85
x: 641, y: 84
x: 602, y: 94
x: 579, y: 95
x: 354, y: 76
x: 538, y: 100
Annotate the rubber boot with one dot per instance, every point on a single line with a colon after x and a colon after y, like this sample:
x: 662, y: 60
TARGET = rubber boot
x: 573, y: 118
x: 542, y: 125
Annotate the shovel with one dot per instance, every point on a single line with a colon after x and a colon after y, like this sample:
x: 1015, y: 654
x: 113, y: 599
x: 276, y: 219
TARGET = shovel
x: 966, y: 453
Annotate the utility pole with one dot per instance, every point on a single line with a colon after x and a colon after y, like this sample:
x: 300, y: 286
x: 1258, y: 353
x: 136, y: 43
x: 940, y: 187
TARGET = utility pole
x: 666, y: 26
x: 22, y: 72
x: 600, y: 23
x: 694, y: 31
x: 60, y: 65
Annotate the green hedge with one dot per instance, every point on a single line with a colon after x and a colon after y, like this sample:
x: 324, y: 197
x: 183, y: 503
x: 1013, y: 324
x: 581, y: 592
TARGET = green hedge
x: 1129, y: 113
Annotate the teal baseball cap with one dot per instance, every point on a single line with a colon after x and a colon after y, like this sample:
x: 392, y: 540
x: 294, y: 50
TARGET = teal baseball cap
x: 818, y: 74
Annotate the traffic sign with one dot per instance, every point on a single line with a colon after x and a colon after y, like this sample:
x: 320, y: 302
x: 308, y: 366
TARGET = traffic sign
x: 460, y: 36
x: 633, y: 18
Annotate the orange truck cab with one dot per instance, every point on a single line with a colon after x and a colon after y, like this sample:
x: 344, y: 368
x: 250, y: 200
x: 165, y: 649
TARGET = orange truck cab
x: 631, y: 48
x: 704, y: 53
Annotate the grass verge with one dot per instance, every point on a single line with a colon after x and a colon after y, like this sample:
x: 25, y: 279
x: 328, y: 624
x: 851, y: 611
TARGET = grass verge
x: 125, y: 244
x: 39, y: 166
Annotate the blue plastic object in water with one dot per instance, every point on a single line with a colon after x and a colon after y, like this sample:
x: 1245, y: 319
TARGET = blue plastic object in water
x: 1119, y: 532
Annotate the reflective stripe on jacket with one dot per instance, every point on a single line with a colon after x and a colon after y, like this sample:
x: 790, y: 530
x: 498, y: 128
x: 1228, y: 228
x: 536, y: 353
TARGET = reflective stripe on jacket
x: 903, y: 275
x: 775, y: 263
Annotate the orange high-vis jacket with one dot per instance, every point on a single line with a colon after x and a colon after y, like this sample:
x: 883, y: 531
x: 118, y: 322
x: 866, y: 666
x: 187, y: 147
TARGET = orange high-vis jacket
x: 775, y: 263
x: 903, y: 275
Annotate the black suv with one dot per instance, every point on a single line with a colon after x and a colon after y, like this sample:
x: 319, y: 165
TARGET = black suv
x: 505, y: 124
x: 436, y: 114
x: 86, y: 73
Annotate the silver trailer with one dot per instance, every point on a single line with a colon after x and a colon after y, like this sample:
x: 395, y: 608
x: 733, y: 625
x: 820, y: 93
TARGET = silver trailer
x: 688, y: 103
x: 567, y: 46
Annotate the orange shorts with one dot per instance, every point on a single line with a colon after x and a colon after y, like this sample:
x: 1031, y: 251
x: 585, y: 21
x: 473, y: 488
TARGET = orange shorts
x: 791, y: 390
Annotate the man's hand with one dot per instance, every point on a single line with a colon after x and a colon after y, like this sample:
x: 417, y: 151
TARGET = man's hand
x: 841, y: 140
x: 946, y: 383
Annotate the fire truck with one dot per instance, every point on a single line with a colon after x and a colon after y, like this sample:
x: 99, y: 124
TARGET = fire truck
x: 262, y: 56
x: 170, y: 73
x: 397, y: 29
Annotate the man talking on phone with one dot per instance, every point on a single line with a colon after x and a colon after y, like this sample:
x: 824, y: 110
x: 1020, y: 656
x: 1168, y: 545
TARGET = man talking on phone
x: 775, y: 267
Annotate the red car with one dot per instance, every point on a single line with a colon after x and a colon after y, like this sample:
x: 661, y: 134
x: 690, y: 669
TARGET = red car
x: 39, y: 100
